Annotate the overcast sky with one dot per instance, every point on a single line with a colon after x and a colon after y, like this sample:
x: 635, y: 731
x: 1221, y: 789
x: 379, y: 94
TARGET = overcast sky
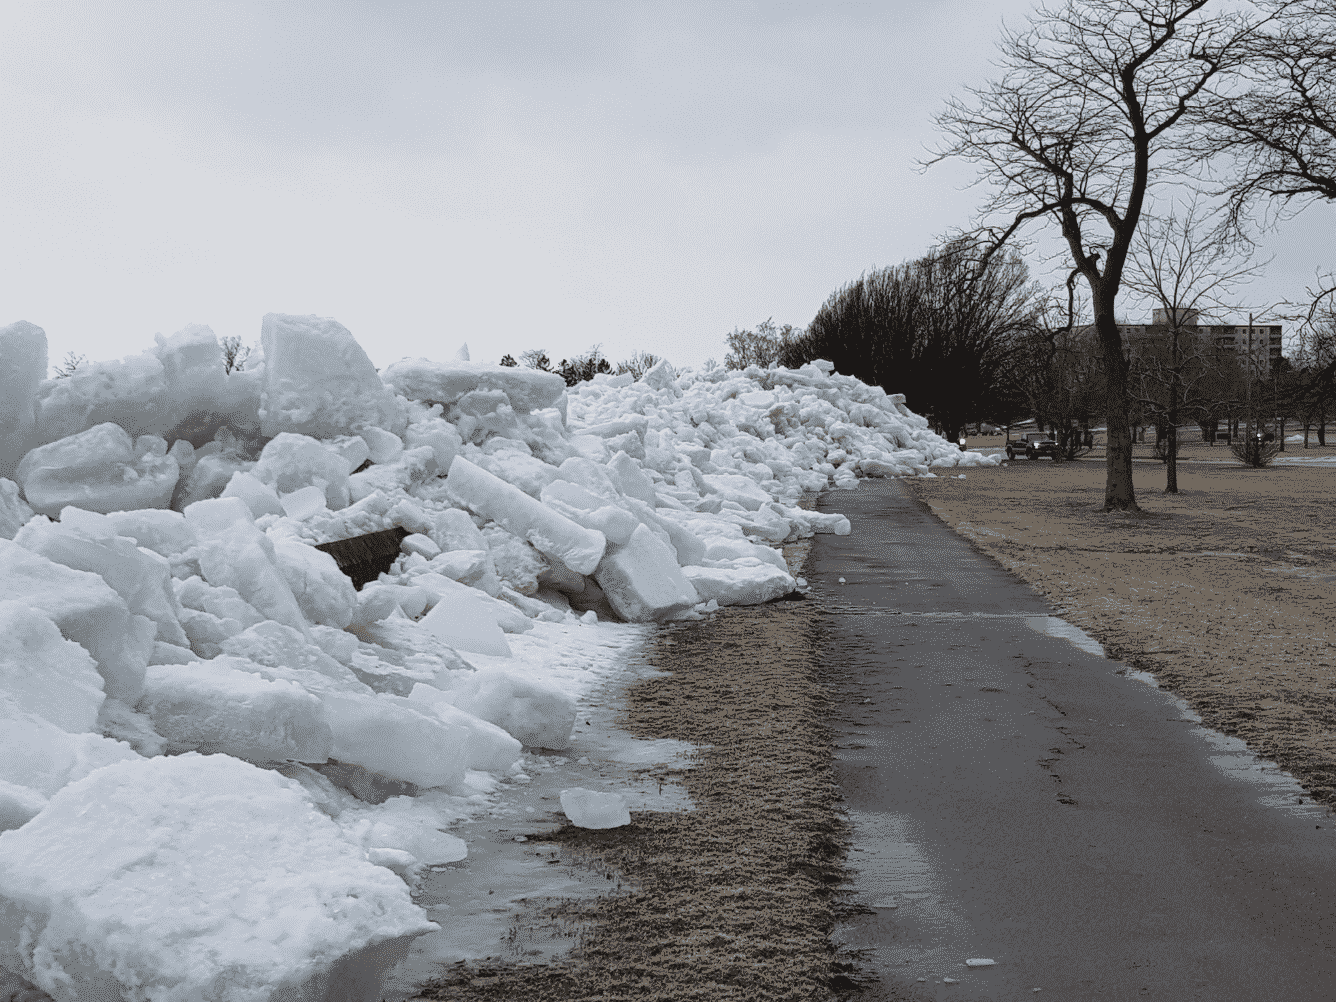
x: 510, y: 175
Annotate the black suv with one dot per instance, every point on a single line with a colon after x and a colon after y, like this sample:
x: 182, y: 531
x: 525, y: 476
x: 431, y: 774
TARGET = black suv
x: 1034, y: 445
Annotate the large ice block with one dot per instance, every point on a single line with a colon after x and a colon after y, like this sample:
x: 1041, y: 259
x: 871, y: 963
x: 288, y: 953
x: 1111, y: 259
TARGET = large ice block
x: 87, y: 611
x: 553, y: 535
x: 176, y: 390
x: 141, y: 577
x: 37, y: 754
x: 157, y: 529
x: 642, y: 579
x: 591, y: 809
x: 324, y: 593
x: 213, y: 707
x: 535, y: 713
x: 101, y: 469
x: 194, y: 877
x: 22, y: 369
x: 490, y: 748
x: 290, y: 462
x: 387, y: 735
x: 235, y: 554
x: 446, y: 382
x: 319, y: 382
x: 748, y: 582
x: 14, y: 511
x: 466, y: 621
x: 45, y: 674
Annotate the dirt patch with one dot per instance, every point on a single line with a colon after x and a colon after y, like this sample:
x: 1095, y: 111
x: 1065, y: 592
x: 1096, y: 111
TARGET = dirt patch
x: 736, y: 899
x: 1223, y: 592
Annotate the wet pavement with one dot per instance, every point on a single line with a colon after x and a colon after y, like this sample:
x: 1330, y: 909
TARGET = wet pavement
x: 1018, y: 797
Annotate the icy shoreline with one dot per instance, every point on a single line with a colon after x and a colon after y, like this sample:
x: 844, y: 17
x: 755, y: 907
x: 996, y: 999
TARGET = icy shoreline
x: 177, y: 659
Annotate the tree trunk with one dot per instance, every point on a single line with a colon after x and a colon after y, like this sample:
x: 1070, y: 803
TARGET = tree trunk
x: 1118, y: 492
x: 1171, y: 453
x: 1306, y: 426
x: 1322, y: 429
x: 1282, y: 434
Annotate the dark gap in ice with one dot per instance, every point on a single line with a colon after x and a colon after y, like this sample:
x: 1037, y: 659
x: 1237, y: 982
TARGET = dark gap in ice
x: 364, y: 558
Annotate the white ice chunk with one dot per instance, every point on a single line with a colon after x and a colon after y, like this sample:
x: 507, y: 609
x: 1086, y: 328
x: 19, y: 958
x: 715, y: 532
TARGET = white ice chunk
x: 324, y: 593
x: 280, y: 652
x: 212, y: 707
x: 87, y: 611
x: 490, y: 748
x: 45, y: 674
x: 461, y: 565
x: 660, y: 375
x: 198, y: 877
x: 421, y: 544
x: 642, y: 579
x: 235, y: 554
x: 318, y: 381
x: 632, y: 479
x: 740, y: 585
x: 14, y: 511
x: 101, y: 469
x: 383, y: 446
x: 260, y: 498
x: 590, y: 809
x: 440, y: 435
x: 18, y: 805
x: 738, y: 489
x: 467, y: 622
x: 209, y: 478
x: 553, y: 535
x: 22, y: 369
x: 290, y: 462
x: 41, y: 756
x: 387, y: 735
x: 446, y: 382
x: 589, y: 510
x: 535, y: 713
x: 302, y: 504
x: 141, y: 577
x: 353, y: 448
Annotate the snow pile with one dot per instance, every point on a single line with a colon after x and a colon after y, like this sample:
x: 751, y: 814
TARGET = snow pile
x: 207, y: 735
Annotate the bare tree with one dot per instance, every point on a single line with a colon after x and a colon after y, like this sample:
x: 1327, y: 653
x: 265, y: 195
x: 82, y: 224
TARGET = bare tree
x: 1277, y: 123
x: 72, y: 362
x: 234, y: 353
x: 1187, y: 272
x: 637, y: 365
x: 536, y: 358
x: 1088, y: 116
x: 761, y: 347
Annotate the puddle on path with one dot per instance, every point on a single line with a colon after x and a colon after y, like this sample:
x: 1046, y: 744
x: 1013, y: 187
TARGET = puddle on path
x: 917, y: 930
x: 490, y: 904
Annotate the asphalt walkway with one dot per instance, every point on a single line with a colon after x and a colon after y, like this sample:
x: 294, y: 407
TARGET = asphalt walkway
x: 1018, y: 797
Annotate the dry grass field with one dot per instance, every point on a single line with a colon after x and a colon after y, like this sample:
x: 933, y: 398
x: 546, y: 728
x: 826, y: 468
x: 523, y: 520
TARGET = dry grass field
x: 1223, y: 591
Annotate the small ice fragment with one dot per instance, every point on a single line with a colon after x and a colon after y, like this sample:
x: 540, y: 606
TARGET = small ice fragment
x: 961, y: 477
x: 302, y: 504
x: 979, y: 962
x: 950, y: 981
x: 588, y: 809
x: 521, y: 838
x: 841, y: 580
x: 582, y: 761
x: 923, y: 979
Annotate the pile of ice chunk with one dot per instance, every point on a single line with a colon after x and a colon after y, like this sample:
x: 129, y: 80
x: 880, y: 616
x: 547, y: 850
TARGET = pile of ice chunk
x: 179, y: 662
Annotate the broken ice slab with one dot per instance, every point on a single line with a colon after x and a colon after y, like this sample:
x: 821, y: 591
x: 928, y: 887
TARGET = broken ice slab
x: 979, y: 962
x: 276, y: 901
x: 552, y: 534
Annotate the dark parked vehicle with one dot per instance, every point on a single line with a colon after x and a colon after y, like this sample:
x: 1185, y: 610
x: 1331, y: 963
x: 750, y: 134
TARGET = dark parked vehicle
x: 1034, y: 445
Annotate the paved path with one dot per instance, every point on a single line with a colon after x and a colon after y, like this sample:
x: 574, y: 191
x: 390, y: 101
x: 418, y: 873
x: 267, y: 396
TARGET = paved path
x: 1019, y: 798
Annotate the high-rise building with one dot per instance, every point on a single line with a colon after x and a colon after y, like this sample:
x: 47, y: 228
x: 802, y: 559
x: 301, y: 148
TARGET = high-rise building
x: 1258, y: 343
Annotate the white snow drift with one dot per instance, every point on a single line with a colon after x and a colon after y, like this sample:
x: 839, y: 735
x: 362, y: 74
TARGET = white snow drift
x: 201, y: 720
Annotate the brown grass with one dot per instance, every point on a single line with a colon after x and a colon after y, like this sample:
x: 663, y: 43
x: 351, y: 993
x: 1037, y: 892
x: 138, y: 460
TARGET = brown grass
x: 735, y: 899
x: 1246, y: 639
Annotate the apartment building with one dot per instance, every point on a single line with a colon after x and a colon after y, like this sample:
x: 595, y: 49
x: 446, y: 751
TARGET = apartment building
x: 1255, y: 343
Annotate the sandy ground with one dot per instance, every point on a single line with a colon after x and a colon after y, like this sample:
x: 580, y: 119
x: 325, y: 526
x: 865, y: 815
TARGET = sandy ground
x: 1223, y: 592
